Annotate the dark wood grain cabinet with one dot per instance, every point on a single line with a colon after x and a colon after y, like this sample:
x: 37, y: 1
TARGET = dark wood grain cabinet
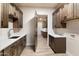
x: 11, y: 13
x: 66, y: 12
x: 44, y: 34
x: 58, y: 45
x: 16, y: 15
x: 10, y: 50
x: 1, y: 53
x: 4, y: 15
x: 16, y: 48
x: 59, y: 16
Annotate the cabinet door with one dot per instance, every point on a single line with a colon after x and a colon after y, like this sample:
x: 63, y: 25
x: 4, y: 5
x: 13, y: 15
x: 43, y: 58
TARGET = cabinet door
x: 60, y: 45
x: 58, y: 20
x: 15, y: 26
x: 24, y: 41
x: 11, y: 50
x: 20, y: 19
x: 0, y: 15
x: 14, y: 50
x: 11, y: 9
x: 54, y: 20
x: 4, y: 15
x: 77, y: 10
x: 65, y: 10
x: 51, y: 42
x: 1, y: 53
x: 70, y: 11
x: 7, y: 51
x: 61, y: 16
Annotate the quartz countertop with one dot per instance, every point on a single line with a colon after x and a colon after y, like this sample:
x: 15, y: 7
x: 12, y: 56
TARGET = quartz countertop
x: 67, y: 35
x: 56, y: 35
x: 6, y: 42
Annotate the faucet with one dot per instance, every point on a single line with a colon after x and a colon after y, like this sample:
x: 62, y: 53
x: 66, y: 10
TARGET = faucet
x: 9, y: 33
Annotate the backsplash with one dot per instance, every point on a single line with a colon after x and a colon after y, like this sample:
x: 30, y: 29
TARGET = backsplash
x: 73, y: 26
x: 60, y: 31
x: 3, y: 33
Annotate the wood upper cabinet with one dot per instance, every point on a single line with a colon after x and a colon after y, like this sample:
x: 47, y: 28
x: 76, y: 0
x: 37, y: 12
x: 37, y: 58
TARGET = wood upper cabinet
x: 70, y: 11
x: 77, y: 9
x: 1, y: 53
x: 65, y: 10
x: 10, y: 12
x: 58, y: 20
x: 20, y: 19
x: 65, y: 13
x: 54, y: 20
x: 58, y: 17
x: 4, y: 15
x: 0, y: 15
x: 16, y: 16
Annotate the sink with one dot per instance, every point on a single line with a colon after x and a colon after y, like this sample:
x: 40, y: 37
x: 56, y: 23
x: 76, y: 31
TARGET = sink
x: 14, y: 37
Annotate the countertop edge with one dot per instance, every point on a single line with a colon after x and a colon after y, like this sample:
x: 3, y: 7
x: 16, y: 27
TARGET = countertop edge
x: 14, y: 40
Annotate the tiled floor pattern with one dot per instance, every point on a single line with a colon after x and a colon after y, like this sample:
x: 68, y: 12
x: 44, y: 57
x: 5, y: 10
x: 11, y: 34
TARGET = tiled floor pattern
x: 28, y: 51
x: 44, y: 49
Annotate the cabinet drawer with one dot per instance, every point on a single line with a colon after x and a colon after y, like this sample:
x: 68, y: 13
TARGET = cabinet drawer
x: 60, y: 45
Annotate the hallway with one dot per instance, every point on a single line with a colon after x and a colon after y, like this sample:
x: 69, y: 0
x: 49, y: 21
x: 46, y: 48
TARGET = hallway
x: 44, y: 49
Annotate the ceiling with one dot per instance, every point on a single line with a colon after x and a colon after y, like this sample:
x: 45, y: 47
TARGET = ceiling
x: 39, y: 5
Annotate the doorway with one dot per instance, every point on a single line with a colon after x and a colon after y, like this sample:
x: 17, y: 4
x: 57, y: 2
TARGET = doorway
x: 41, y: 33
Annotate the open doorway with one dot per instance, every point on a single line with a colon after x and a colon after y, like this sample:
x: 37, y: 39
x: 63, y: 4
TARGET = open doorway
x: 41, y: 32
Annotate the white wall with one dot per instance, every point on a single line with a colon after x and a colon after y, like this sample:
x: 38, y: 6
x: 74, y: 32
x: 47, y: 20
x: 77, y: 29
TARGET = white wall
x: 73, y: 26
x: 10, y: 25
x: 39, y: 28
x: 3, y: 33
x: 29, y: 13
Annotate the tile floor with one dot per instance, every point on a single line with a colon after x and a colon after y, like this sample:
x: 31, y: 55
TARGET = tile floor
x: 28, y: 51
x: 44, y: 50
